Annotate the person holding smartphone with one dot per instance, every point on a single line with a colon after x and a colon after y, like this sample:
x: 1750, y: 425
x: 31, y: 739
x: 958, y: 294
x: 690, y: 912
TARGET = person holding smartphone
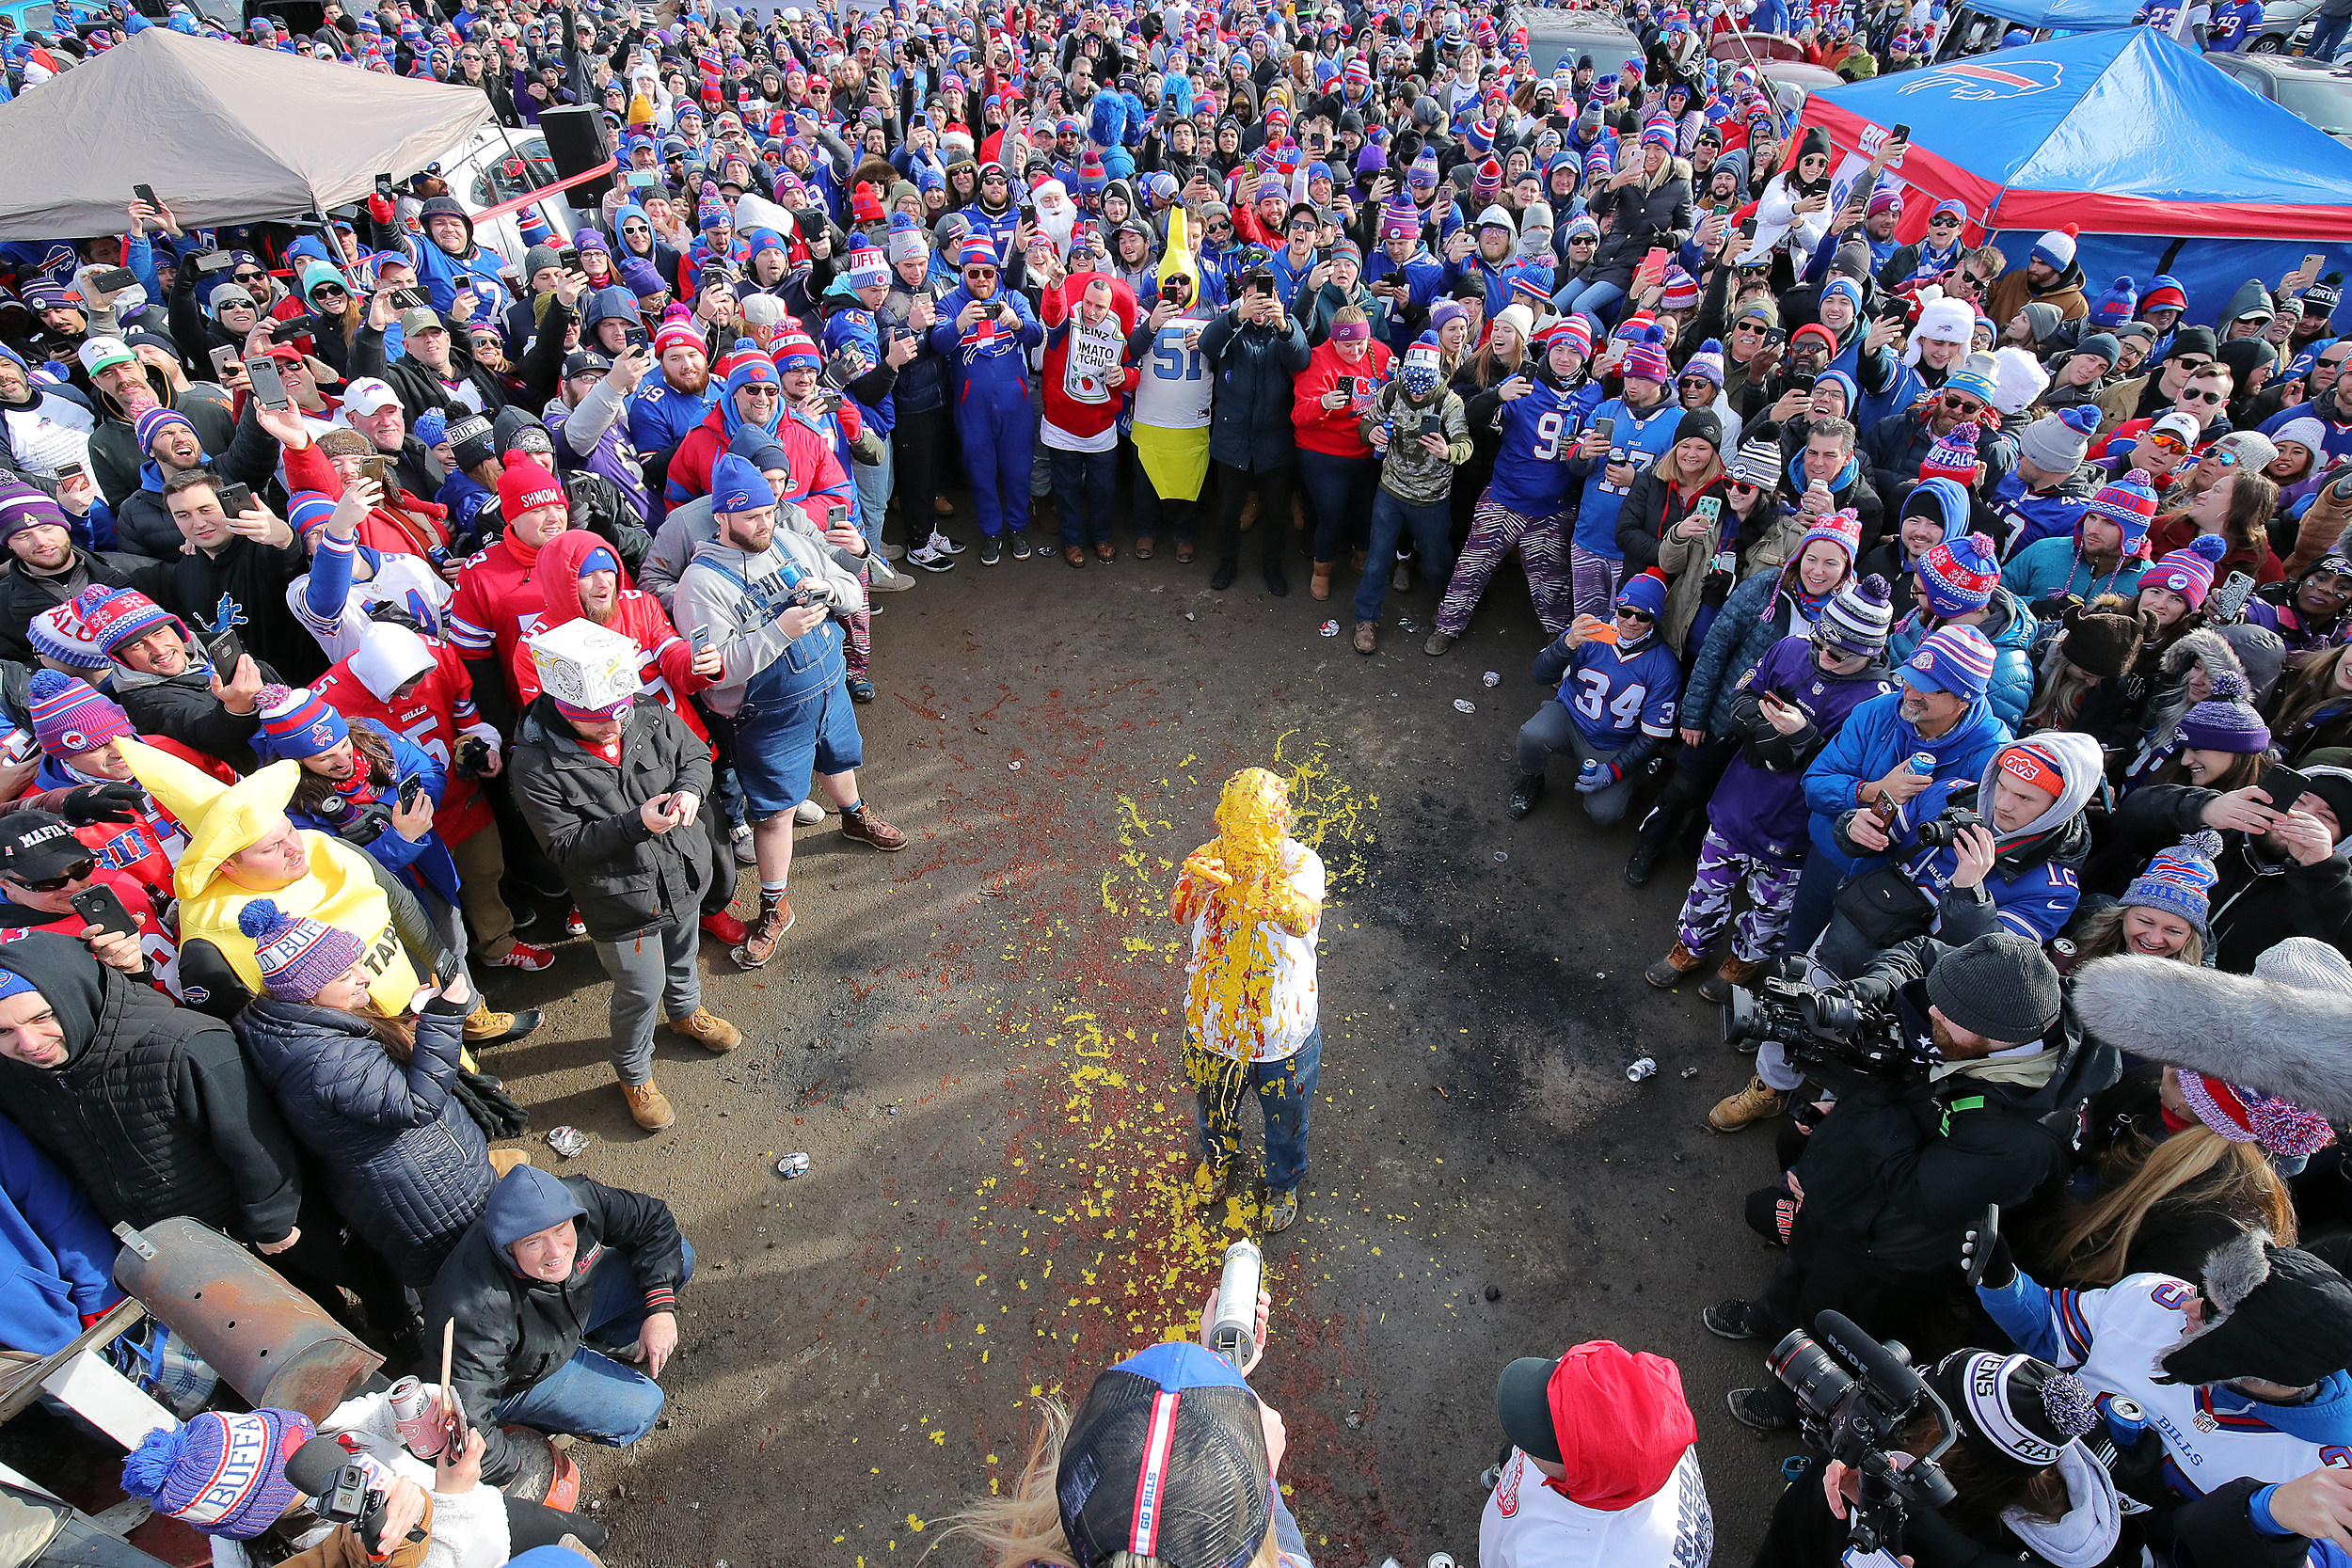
x: 1253, y: 350
x: 44, y: 867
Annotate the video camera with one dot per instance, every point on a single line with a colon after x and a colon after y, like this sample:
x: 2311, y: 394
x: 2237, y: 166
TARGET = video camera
x: 1857, y: 1398
x: 1841, y: 1026
x: 343, y: 1490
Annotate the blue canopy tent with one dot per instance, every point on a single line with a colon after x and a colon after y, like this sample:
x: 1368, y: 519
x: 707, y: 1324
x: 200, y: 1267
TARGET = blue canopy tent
x: 2065, y: 16
x: 2162, y: 161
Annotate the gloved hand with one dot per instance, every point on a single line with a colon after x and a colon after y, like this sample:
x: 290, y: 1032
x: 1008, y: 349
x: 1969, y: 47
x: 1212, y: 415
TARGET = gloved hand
x: 1596, y: 774
x: 107, y: 803
x: 2000, y: 1268
x: 381, y: 209
x: 364, y: 824
x: 1871, y: 992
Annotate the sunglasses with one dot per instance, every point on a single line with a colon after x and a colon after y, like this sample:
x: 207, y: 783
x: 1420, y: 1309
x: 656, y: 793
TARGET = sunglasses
x: 1740, y: 484
x: 1943, y: 220
x: 2191, y: 361
x: 755, y: 391
x: 2165, y: 441
x: 79, y: 871
x: 2224, y: 457
x: 1626, y: 612
x: 979, y: 272
x: 249, y: 276
x: 1962, y: 406
x: 2192, y: 394
x: 2337, y: 363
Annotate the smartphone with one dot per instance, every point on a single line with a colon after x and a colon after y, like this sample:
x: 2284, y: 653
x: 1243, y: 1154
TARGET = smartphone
x: 635, y: 336
x: 2312, y: 262
x: 70, y: 470
x: 1801, y: 382
x: 224, y: 650
x: 410, y: 787
x: 1987, y: 1231
x: 102, y: 907
x: 1774, y: 337
x: 380, y: 470
x: 147, y: 193
x: 701, y: 641
x: 297, y: 327
x: 643, y: 178
x: 224, y: 356
x: 1652, y: 270
x: 235, y: 500
x: 114, y: 280
x: 267, y: 383
x: 410, y: 299
x: 1605, y: 429
x: 2227, y: 603
x: 214, y: 261
x: 384, y: 186
x: 2284, y: 786
x: 1894, y: 310
x: 1708, y: 509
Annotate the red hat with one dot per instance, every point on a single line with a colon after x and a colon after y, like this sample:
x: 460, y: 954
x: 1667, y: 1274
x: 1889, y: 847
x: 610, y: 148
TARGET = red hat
x: 1622, y: 1422
x: 524, y: 484
x: 1814, y: 329
x: 677, y: 332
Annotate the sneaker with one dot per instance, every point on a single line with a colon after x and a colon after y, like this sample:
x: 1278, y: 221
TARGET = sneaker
x: 1717, y: 987
x: 1668, y: 972
x: 894, y: 552
x: 725, y: 927
x: 1639, y: 864
x: 1282, y: 1207
x: 1019, y: 545
x: 1524, y: 794
x: 860, y: 688
x: 1742, y: 1320
x: 708, y: 1029
x: 1754, y: 1103
x: 1401, y: 579
x: 992, y: 551
x: 1211, y: 1181
x: 573, y: 925
x: 808, y: 813
x: 895, y: 582
x: 760, y: 945
x: 862, y: 824
x: 931, y: 558
x: 941, y: 544
x: 648, y: 1106
x: 1222, y: 579
x: 1768, y: 1409
x: 524, y: 956
x: 485, y: 1028
x: 1438, y: 643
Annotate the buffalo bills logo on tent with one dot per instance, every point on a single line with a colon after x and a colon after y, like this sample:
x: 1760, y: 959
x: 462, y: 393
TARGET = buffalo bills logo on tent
x: 1970, y: 81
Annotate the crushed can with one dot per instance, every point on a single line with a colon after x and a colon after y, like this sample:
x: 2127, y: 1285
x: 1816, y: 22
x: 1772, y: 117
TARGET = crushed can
x: 792, y: 1165
x: 566, y: 1141
x: 1492, y: 678
x: 1329, y: 629
x: 1463, y: 705
x: 1646, y: 1068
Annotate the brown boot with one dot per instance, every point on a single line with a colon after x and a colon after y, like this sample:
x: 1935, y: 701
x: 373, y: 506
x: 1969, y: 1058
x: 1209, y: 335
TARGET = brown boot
x: 1754, y: 1103
x: 1367, y: 636
x: 1668, y: 972
x: 484, y: 1027
x: 709, y: 1030
x: 860, y: 823
x: 775, y: 918
x: 1320, y: 585
x: 1211, y: 1181
x: 1717, y: 987
x: 648, y: 1105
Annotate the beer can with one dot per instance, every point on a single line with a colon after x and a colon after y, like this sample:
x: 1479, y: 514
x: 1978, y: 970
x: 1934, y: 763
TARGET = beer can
x: 792, y: 1165
x: 1640, y: 1069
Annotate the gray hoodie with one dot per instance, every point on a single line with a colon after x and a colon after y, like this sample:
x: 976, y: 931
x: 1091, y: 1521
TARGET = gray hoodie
x: 748, y: 636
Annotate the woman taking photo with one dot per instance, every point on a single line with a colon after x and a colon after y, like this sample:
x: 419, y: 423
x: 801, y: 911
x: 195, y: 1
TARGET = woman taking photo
x: 1336, y: 466
x: 1660, y: 524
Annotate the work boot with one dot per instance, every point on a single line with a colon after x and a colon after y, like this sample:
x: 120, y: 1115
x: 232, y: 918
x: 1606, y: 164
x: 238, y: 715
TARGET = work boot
x: 1277, y: 582
x: 1639, y: 864
x: 1438, y: 643
x: 1754, y: 1103
x: 861, y: 824
x: 1222, y: 579
x: 709, y: 1030
x: 1524, y: 794
x: 484, y: 1027
x: 1670, y: 971
x: 1319, y: 586
x: 1212, y: 1180
x: 1367, y: 636
x: 648, y: 1106
x: 1282, y: 1207
x: 775, y: 918
x: 942, y: 507
x: 1743, y: 1320
x: 1735, y: 970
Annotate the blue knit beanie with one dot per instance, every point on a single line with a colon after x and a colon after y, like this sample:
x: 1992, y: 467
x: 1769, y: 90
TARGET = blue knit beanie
x: 2179, y: 881
x: 220, y: 1473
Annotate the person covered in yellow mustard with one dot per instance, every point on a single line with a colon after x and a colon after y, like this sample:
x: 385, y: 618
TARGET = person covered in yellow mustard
x: 241, y: 846
x: 1253, y: 899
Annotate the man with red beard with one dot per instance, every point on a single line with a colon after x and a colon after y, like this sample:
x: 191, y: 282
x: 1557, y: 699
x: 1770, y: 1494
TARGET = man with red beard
x: 666, y: 406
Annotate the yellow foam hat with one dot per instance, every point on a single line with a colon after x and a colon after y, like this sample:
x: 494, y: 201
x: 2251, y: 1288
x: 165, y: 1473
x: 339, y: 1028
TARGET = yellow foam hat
x: 220, y: 818
x: 1177, y: 261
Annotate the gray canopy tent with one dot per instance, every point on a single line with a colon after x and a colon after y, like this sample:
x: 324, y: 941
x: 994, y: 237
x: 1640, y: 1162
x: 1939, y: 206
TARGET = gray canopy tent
x: 226, y: 134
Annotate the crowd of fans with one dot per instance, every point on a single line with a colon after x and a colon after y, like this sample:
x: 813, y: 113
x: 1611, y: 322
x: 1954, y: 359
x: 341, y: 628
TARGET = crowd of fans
x: 383, y: 610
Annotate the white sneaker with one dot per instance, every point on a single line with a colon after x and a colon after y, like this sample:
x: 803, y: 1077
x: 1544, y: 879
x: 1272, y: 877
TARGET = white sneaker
x: 893, y: 552
x: 941, y: 543
x: 744, y: 853
x: 808, y: 813
x: 931, y: 558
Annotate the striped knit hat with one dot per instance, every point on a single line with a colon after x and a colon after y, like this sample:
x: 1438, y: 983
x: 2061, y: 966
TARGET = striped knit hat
x: 1645, y: 360
x: 223, y: 1473
x: 1952, y: 457
x: 1956, y: 659
x: 296, y: 722
x: 297, y: 956
x: 676, y: 332
x: 1757, y: 463
x: 2245, y: 1116
x: 1857, y: 617
x: 2131, y: 505
x: 116, y: 617
x: 1574, y: 330
x: 2180, y: 879
x: 1841, y: 528
x: 70, y: 717
x: 2225, y: 722
x: 59, y: 635
x: 2189, y: 570
x: 1683, y: 289
x: 1959, y: 575
x: 151, y: 424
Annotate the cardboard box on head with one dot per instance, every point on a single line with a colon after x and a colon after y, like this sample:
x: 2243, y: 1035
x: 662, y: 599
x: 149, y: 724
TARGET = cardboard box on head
x: 585, y: 665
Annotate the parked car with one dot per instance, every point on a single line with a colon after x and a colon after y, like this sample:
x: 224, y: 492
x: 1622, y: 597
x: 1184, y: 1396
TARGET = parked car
x: 1555, y: 35
x: 2284, y: 22
x: 2308, y: 90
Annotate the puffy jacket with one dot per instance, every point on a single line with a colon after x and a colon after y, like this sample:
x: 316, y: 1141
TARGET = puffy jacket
x: 2010, y: 626
x: 154, y: 1111
x: 2054, y: 568
x: 1893, y: 449
x: 407, y: 1168
x: 1648, y: 216
x: 1875, y: 738
x: 513, y: 1330
x: 27, y: 596
x: 626, y: 878
x: 1249, y: 426
x: 2257, y: 900
x: 183, y: 707
x: 1754, y: 617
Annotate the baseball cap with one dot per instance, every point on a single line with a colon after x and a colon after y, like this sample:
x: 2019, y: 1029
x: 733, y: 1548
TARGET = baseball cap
x: 36, y: 845
x: 1166, y: 1461
x: 369, y: 395
x: 417, y: 319
x: 585, y: 361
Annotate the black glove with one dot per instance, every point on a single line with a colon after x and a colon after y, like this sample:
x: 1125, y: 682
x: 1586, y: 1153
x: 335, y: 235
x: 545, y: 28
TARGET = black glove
x: 2000, y: 1268
x: 1871, y: 992
x: 91, y: 804
x: 362, y: 824
x: 391, y: 612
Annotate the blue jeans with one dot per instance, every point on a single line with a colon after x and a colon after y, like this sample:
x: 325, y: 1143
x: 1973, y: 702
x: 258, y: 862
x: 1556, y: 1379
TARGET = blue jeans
x: 1083, y: 481
x: 1286, y: 1093
x: 2327, y: 37
x: 1432, y: 528
x: 1338, y: 499
x: 873, y: 495
x: 592, y: 1395
x: 1599, y: 300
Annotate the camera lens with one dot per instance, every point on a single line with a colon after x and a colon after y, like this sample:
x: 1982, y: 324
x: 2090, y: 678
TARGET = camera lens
x: 1809, y: 1372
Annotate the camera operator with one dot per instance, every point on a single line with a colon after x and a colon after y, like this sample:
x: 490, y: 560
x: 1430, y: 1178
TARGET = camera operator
x: 1904, y: 1163
x: 2028, y: 1491
x: 1971, y: 856
x: 2241, y: 1377
x: 1603, y: 1467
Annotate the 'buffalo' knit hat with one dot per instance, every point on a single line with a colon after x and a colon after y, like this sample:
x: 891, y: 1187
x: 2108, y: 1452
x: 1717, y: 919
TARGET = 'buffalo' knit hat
x: 1955, y: 659
x: 2119, y: 304
x: 2179, y: 881
x: 1952, y: 457
x: 71, y: 717
x: 1857, y: 617
x: 220, y: 1473
x: 1959, y: 575
x: 2225, y: 722
x: 2000, y: 986
x: 2131, y: 505
x: 2189, y: 570
x: 1166, y: 1462
x: 298, y: 954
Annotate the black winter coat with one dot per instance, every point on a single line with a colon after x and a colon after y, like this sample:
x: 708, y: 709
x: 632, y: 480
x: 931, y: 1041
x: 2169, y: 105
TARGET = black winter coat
x: 1900, y: 1169
x: 28, y: 597
x: 2257, y: 901
x: 417, y: 388
x: 184, y: 708
x: 255, y: 575
x: 1893, y: 449
x: 626, y: 878
x: 406, y: 1165
x: 154, y: 1111
x: 514, y: 1330
x: 1249, y: 425
x: 1657, y: 218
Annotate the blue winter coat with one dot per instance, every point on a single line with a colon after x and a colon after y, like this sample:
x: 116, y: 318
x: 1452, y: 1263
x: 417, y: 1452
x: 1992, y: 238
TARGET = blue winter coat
x: 425, y: 865
x: 406, y: 1167
x: 56, y: 1258
x: 2009, y: 628
x: 2053, y: 567
x: 1875, y: 738
x: 1755, y: 616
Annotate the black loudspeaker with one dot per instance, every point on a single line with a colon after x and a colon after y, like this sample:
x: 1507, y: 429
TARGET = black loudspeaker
x: 300, y: 17
x: 576, y: 142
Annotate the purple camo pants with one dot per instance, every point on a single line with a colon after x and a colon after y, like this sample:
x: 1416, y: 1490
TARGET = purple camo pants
x: 1772, y: 889
x: 1595, y: 581
x: 1542, y: 542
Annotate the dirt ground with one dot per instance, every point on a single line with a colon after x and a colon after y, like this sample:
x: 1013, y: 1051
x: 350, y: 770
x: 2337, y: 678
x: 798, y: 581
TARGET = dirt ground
x: 975, y: 1043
